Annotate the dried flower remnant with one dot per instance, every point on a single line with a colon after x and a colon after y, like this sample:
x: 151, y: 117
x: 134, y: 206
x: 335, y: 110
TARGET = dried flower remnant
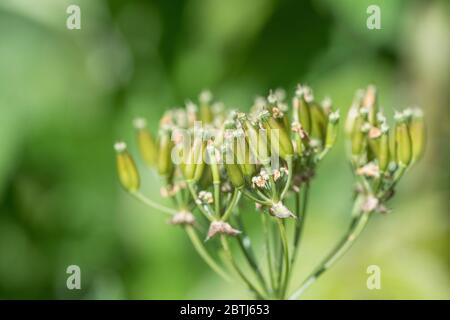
x: 220, y: 227
x: 183, y: 218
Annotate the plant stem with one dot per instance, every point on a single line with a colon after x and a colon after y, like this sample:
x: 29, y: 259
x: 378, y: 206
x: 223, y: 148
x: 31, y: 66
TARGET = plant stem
x: 234, y: 200
x: 229, y: 255
x: 289, y: 178
x: 217, y: 199
x: 201, y: 250
x: 268, y: 251
x: 286, y: 257
x: 356, y: 227
x: 153, y: 204
x: 301, y: 216
x: 246, y: 247
x: 251, y: 197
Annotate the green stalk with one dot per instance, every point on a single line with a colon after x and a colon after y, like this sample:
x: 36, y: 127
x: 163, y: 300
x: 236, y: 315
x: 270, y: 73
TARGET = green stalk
x: 249, y: 255
x: 201, y: 250
x: 252, y: 197
x: 234, y: 200
x: 356, y: 227
x: 284, y: 241
x: 301, y: 216
x: 229, y: 255
x: 268, y: 252
x: 217, y: 199
x: 289, y: 179
x: 153, y: 204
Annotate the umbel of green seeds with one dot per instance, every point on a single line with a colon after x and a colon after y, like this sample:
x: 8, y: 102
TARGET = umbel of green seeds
x: 126, y: 168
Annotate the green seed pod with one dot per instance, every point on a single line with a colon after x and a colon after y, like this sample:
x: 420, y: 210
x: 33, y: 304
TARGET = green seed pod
x: 213, y: 163
x: 257, y: 141
x: 147, y: 146
x: 285, y: 148
x: 358, y: 138
x: 193, y: 159
x: 353, y: 113
x: 318, y: 122
x: 206, y: 178
x: 403, y: 141
x: 417, y: 133
x: 243, y: 156
x: 235, y: 175
x: 298, y: 137
x: 191, y: 113
x: 126, y: 168
x: 332, y: 129
x: 302, y: 111
x: 165, y: 166
x: 201, y: 164
x: 206, y: 114
x: 370, y: 102
x: 383, y: 151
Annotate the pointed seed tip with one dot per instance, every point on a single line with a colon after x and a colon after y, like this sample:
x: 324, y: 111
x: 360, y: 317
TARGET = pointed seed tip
x: 120, y: 146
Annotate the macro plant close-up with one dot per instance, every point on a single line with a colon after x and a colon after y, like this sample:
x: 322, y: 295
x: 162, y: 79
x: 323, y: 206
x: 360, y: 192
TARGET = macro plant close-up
x: 210, y: 159
x: 271, y: 151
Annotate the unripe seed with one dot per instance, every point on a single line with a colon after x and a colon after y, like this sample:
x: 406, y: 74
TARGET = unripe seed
x: 212, y: 156
x: 235, y: 175
x: 285, y: 148
x: 201, y: 164
x: 126, y: 168
x: 403, y: 141
x: 332, y: 129
x: 370, y: 102
x: 257, y: 141
x: 353, y: 113
x: 417, y: 133
x: 243, y: 156
x: 193, y: 159
x: 298, y: 137
x: 302, y: 112
x: 383, y: 151
x: 358, y: 137
x: 206, y: 114
x: 147, y: 146
x: 165, y: 165
x: 318, y: 122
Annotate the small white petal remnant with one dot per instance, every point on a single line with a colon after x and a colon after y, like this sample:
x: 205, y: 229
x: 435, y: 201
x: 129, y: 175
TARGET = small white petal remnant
x: 370, y: 204
x: 183, y: 218
x: 369, y: 170
x: 281, y: 211
x: 120, y: 146
x: 139, y: 123
x: 205, y: 197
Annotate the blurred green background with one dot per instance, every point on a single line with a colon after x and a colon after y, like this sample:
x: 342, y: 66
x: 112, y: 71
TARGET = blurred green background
x: 67, y: 95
